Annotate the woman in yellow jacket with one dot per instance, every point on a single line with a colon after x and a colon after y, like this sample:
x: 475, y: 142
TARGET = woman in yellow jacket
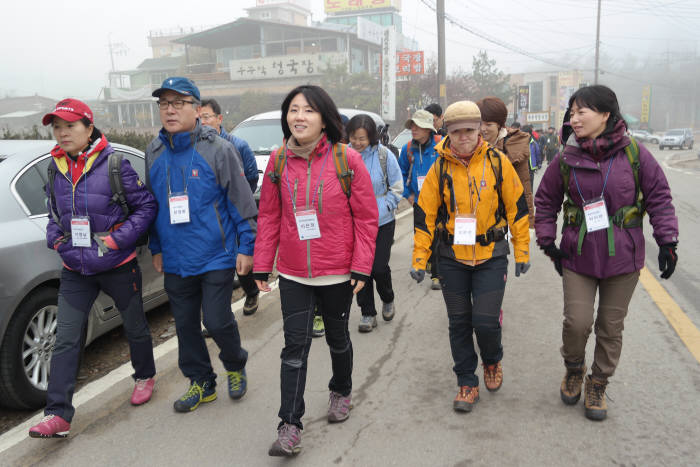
x: 472, y: 194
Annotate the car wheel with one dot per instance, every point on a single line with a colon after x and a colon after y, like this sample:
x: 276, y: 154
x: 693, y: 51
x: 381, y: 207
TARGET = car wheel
x: 26, y: 350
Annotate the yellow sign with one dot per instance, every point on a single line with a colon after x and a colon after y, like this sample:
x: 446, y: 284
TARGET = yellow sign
x: 337, y: 6
x: 646, y: 104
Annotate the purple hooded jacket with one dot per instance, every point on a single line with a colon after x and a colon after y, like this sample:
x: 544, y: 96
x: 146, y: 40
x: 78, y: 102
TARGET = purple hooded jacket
x: 92, y: 197
x: 594, y: 259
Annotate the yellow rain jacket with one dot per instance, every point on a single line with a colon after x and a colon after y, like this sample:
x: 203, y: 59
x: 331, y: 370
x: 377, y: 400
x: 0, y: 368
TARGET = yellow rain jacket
x: 475, y: 191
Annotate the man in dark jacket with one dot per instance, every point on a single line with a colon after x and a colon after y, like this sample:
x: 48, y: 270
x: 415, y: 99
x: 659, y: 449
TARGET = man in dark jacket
x: 204, y: 230
x: 210, y: 115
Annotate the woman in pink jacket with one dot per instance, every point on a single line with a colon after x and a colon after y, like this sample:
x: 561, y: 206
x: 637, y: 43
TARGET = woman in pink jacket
x: 326, y: 240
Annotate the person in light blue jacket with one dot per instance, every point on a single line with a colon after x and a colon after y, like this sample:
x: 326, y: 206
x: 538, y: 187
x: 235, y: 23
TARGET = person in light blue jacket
x: 387, y: 182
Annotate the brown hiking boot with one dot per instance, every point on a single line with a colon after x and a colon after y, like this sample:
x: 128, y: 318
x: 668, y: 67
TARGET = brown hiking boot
x: 493, y: 376
x: 466, y: 398
x: 571, y: 385
x: 596, y: 407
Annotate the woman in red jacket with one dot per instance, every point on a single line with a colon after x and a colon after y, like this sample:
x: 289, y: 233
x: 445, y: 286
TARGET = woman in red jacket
x: 326, y: 239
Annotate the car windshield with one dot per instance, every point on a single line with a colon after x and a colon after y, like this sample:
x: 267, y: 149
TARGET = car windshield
x: 402, y: 138
x: 263, y: 136
x: 674, y: 133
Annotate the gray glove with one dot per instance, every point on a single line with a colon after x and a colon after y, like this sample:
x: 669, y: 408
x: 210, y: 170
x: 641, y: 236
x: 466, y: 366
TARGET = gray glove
x: 418, y: 275
x: 521, y: 268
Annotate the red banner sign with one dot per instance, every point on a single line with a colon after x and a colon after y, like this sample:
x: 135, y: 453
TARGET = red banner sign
x: 409, y: 63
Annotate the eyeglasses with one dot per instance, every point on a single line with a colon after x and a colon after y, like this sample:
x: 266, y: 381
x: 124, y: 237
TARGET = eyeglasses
x: 177, y: 104
x: 207, y: 116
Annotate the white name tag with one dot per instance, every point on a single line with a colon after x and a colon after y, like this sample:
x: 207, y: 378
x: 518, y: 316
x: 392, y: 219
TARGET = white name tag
x: 465, y: 230
x: 596, y: 215
x: 80, y: 231
x: 420, y: 183
x: 179, y: 208
x: 307, y: 224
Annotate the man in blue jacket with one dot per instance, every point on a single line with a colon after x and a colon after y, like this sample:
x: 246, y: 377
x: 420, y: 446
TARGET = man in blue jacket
x: 210, y: 115
x: 204, y: 231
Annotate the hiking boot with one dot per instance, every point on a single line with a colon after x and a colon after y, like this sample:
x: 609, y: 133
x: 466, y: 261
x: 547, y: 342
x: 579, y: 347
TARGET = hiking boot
x: 388, y: 311
x: 251, y: 305
x: 194, y: 396
x: 288, y: 441
x: 143, y: 390
x: 367, y: 323
x: 493, y: 376
x: 51, y: 426
x: 435, y: 284
x: 594, y: 401
x: 466, y: 398
x: 319, y: 328
x: 237, y: 383
x: 570, y: 390
x: 339, y: 407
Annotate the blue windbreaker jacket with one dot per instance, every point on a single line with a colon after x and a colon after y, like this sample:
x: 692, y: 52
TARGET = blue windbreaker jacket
x: 250, y: 167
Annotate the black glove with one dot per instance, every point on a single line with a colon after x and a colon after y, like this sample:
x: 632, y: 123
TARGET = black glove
x: 418, y: 275
x: 555, y: 255
x: 521, y: 268
x: 667, y: 259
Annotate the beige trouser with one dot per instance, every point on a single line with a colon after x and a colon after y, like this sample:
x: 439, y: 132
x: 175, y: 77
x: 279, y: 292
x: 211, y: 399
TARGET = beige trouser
x: 579, y: 298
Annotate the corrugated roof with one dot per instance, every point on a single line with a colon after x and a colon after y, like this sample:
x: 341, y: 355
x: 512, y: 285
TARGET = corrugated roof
x: 162, y: 63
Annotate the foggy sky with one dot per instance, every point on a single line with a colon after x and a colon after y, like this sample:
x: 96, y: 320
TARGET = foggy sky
x: 59, y: 48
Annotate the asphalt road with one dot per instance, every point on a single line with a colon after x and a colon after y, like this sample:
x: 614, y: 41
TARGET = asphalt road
x: 404, y: 386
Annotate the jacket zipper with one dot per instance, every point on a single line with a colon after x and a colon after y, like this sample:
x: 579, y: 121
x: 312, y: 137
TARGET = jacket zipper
x: 308, y: 188
x: 320, y: 197
x: 221, y: 227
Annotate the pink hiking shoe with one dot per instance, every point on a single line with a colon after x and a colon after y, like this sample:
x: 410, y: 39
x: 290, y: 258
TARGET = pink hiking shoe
x: 143, y: 390
x: 339, y: 407
x: 51, y: 426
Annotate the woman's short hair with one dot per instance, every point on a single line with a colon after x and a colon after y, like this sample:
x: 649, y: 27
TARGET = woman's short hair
x: 365, y: 122
x: 321, y: 102
x: 493, y: 110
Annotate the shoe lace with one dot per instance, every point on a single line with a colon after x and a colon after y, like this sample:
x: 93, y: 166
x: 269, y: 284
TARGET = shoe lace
x: 234, y: 379
x: 288, y: 434
x: 47, y: 418
x: 573, y: 381
x: 336, y: 401
x: 141, y: 383
x: 318, y: 321
x: 194, y: 390
x: 597, y: 393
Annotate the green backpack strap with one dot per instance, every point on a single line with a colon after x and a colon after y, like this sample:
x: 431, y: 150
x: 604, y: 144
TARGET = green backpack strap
x: 342, y: 170
x: 632, y: 152
x: 280, y: 161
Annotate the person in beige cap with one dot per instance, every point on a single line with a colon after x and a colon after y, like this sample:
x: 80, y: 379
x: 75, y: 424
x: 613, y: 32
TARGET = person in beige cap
x: 462, y: 191
x: 417, y: 156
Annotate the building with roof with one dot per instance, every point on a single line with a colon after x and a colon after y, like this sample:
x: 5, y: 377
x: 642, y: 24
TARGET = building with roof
x: 22, y: 113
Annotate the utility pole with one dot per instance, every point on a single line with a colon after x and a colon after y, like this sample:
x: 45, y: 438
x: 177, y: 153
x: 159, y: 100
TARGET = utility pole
x: 441, y: 52
x: 597, y: 45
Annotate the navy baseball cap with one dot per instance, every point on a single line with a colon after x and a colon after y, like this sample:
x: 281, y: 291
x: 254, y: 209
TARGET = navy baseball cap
x: 180, y: 85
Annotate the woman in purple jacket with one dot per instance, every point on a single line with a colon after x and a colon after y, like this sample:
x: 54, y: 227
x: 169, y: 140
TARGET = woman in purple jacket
x: 96, y: 243
x: 609, y: 182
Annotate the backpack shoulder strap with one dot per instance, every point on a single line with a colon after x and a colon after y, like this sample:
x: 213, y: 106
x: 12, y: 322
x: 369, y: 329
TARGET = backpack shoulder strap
x: 497, y: 167
x: 632, y: 152
x: 116, y: 185
x: 382, y: 154
x: 565, y: 172
x: 342, y: 170
x: 280, y: 161
x: 51, y: 179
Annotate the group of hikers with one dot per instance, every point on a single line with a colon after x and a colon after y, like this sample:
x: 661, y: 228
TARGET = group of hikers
x: 326, y: 223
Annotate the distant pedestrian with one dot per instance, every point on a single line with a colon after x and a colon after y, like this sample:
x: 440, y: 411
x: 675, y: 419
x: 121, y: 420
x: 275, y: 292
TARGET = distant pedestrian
x: 438, y: 120
x: 534, y: 159
x: 95, y: 236
x: 318, y: 216
x: 210, y: 115
x: 475, y: 192
x: 204, y: 231
x: 606, y: 182
x: 388, y: 186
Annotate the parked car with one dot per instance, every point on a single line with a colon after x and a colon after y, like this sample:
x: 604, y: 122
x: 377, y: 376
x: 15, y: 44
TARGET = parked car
x: 644, y: 136
x: 402, y: 138
x: 263, y: 132
x: 30, y: 272
x: 681, y: 138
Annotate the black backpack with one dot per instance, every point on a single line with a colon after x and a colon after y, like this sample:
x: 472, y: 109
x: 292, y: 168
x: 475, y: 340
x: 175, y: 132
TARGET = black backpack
x: 116, y: 185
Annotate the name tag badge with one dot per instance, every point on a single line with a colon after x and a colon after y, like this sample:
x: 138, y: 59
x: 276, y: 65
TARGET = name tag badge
x: 307, y: 224
x: 420, y: 183
x: 179, y: 208
x: 596, y: 215
x: 465, y: 230
x: 80, y: 231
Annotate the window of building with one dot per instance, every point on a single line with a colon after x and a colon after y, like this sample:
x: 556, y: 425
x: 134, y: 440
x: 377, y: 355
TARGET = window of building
x: 536, y: 96
x: 312, y: 46
x: 329, y: 45
x: 292, y: 47
x: 273, y: 49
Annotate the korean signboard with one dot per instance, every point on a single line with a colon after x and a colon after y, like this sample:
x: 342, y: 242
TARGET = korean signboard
x: 646, y: 104
x: 337, y: 6
x: 523, y: 99
x: 288, y: 66
x: 537, y: 117
x: 389, y: 74
x: 409, y: 63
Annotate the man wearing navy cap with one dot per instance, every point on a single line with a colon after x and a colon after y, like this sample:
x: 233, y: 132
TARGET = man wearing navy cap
x: 204, y: 231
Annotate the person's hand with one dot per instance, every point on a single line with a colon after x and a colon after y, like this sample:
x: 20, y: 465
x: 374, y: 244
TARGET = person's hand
x: 411, y: 199
x: 244, y: 263
x: 262, y: 285
x: 556, y: 255
x: 157, y: 260
x: 417, y: 275
x: 667, y: 259
x: 521, y: 268
x: 357, y: 284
